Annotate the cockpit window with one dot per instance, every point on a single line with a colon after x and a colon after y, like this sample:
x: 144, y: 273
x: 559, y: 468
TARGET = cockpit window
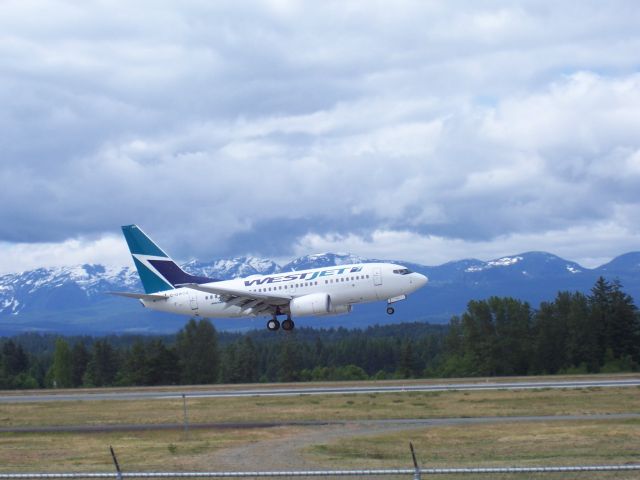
x: 402, y: 271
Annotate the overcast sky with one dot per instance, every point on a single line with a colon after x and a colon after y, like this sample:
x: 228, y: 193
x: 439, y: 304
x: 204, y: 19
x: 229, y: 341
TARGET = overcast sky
x: 423, y: 131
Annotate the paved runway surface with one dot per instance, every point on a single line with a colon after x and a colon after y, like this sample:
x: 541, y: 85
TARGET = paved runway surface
x: 407, y: 422
x: 289, y: 391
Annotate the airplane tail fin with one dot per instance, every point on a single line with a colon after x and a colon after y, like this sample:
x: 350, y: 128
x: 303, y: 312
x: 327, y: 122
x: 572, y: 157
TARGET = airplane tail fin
x: 157, y: 271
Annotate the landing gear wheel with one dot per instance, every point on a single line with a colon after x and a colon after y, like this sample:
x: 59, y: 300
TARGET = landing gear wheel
x: 273, y: 324
x: 390, y: 310
x: 288, y: 324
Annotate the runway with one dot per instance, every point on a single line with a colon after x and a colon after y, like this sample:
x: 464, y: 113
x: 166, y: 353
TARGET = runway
x: 230, y: 392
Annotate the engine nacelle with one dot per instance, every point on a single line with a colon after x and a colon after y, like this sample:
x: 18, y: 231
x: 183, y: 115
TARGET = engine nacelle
x: 340, y: 310
x: 312, y: 304
x: 317, y: 304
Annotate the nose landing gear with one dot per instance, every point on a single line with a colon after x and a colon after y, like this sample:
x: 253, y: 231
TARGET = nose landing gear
x: 390, y: 310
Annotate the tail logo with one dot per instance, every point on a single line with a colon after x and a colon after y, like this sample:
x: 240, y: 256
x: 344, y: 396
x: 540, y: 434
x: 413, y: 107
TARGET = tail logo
x: 156, y: 269
x: 152, y: 280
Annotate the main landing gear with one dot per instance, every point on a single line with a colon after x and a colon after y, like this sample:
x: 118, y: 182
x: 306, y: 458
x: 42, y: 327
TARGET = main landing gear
x: 288, y: 324
x: 274, y: 324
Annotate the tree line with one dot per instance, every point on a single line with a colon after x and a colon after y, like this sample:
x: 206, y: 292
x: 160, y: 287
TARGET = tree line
x: 496, y: 336
x: 575, y: 333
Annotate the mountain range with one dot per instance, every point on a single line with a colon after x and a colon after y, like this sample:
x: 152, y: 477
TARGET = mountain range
x: 74, y: 300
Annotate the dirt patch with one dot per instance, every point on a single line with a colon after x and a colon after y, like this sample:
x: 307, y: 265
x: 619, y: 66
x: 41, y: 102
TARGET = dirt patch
x: 288, y: 451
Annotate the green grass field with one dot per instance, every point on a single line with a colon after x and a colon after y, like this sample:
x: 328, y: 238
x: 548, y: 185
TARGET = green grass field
x: 333, y: 407
x: 514, y: 443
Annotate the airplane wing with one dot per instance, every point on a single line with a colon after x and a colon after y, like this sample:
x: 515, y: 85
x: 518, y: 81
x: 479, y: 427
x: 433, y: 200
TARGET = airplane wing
x: 257, y: 302
x: 140, y: 296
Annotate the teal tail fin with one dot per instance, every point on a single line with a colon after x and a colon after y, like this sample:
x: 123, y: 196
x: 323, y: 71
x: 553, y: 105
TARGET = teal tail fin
x: 157, y: 271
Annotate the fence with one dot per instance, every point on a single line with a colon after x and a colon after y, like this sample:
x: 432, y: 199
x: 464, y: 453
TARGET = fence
x: 320, y: 473
x: 416, y: 471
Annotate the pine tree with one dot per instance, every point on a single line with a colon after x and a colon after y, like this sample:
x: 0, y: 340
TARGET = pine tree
x: 163, y: 364
x: 408, y: 366
x: 103, y: 366
x: 600, y: 306
x: 550, y: 346
x: 79, y: 359
x: 135, y: 370
x: 14, y: 359
x: 513, y: 332
x: 62, y: 367
x: 197, y: 348
x: 480, y: 337
x: 247, y: 364
x: 289, y: 360
x: 624, y: 327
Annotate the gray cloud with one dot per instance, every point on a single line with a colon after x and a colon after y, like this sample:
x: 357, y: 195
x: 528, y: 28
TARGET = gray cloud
x: 226, y: 129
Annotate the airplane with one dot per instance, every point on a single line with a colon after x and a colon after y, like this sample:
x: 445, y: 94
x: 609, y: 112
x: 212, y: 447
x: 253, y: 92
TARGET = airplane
x: 314, y: 292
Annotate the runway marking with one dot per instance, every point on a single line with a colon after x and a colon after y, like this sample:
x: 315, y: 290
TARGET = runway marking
x: 412, y: 388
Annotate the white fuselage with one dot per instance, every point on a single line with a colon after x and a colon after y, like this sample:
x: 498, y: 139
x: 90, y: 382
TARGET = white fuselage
x: 345, y: 284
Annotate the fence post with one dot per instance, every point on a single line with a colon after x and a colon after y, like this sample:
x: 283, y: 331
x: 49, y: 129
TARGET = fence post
x: 115, y: 462
x: 186, y: 418
x: 416, y: 472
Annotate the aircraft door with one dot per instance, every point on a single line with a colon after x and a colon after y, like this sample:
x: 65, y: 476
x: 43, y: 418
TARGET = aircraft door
x: 377, y: 276
x: 193, y: 300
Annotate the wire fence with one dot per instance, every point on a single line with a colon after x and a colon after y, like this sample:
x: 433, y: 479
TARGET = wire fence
x: 322, y: 473
x: 416, y: 472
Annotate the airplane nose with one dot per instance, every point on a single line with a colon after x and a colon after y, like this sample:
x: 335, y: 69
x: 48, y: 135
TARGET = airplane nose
x: 421, y: 280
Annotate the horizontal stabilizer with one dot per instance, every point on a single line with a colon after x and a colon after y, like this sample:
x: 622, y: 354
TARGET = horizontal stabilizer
x: 140, y: 296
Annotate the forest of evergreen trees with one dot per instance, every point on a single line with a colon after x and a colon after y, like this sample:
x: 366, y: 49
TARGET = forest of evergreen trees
x: 574, y: 333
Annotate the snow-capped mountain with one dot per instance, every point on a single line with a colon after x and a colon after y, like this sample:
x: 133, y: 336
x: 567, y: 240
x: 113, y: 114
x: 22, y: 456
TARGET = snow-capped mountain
x: 236, y: 267
x: 529, y: 264
x: 21, y: 292
x: 322, y: 260
x: 74, y: 299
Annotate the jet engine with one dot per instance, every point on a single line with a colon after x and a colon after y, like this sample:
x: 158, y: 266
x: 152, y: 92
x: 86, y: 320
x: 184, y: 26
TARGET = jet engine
x: 340, y: 309
x: 312, y: 304
x: 316, y: 304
